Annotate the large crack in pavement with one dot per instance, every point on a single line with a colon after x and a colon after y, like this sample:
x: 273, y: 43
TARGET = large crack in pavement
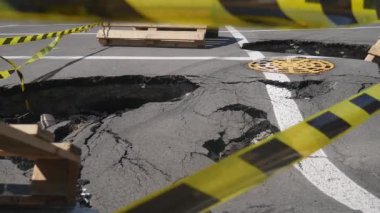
x: 314, y: 48
x: 138, y: 133
x: 255, y: 126
x: 89, y: 102
x: 93, y: 95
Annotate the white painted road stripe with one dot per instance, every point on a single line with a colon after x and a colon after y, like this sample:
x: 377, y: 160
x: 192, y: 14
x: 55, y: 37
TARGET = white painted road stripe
x: 156, y: 58
x: 198, y: 58
x: 319, y: 171
x: 5, y: 26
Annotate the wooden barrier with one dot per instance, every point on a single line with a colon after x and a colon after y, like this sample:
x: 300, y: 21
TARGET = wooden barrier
x: 157, y: 35
x: 373, y: 52
x: 56, y: 169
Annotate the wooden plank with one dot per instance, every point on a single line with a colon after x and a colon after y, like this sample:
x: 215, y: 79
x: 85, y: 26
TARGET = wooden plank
x: 22, y: 144
x: 63, y: 147
x: 375, y: 49
x: 30, y: 157
x: 149, y: 35
x: 50, y: 177
x: 369, y: 57
x: 151, y: 43
x: 56, y: 177
x: 35, y: 130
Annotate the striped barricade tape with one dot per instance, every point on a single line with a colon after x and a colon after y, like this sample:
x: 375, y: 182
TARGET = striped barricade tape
x: 249, y: 167
x: 285, y: 13
x: 4, y: 74
x: 37, y: 37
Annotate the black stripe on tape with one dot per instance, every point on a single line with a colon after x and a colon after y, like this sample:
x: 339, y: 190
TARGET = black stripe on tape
x: 271, y: 156
x: 329, y: 124
x: 8, y: 41
x: 22, y: 39
x: 254, y: 10
x: 182, y: 198
x: 374, y: 5
x: 34, y: 38
x: 1, y: 76
x: 338, y: 11
x: 367, y: 103
x: 45, y: 36
x: 54, y: 34
x: 369, y: 4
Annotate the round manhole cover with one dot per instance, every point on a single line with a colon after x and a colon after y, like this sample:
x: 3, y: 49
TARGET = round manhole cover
x: 292, y: 65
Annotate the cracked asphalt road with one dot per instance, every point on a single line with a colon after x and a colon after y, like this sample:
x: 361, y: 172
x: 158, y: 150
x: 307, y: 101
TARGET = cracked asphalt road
x: 129, y: 152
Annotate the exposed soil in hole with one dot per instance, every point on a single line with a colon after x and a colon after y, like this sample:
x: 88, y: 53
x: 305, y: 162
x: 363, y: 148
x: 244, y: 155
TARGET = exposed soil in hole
x: 90, y: 96
x: 355, y: 51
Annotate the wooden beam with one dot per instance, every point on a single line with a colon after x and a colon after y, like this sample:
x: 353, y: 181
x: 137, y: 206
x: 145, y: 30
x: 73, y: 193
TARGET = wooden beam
x: 19, y: 143
x: 153, y: 35
x: 35, y: 130
x: 61, y: 147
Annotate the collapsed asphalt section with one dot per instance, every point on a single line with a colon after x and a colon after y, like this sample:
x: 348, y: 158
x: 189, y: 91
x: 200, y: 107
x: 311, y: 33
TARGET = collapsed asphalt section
x: 95, y: 95
x: 130, y: 127
x: 132, y: 151
x: 314, y: 48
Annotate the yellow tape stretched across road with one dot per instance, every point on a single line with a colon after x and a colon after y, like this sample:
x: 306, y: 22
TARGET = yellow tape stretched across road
x: 37, y: 37
x: 281, y: 13
x: 249, y: 167
x: 4, y: 74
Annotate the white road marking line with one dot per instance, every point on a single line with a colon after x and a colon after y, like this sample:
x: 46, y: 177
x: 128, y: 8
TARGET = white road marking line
x: 4, y: 26
x: 158, y: 58
x: 133, y: 58
x: 319, y: 171
x: 288, y: 30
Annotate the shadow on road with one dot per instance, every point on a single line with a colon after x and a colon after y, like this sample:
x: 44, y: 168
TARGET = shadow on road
x: 49, y: 75
x: 219, y: 42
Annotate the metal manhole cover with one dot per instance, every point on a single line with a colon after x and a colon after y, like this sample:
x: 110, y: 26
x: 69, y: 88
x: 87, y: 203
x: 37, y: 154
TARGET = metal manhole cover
x: 292, y: 65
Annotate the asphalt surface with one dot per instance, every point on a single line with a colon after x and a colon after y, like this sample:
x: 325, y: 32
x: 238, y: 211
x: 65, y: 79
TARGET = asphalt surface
x: 129, y: 151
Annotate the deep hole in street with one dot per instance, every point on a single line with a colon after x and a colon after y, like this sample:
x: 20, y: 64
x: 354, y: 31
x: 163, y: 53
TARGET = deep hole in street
x: 314, y: 48
x: 76, y: 101
x: 89, y: 96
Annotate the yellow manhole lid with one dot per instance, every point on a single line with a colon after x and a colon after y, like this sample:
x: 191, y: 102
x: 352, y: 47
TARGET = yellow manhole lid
x: 292, y: 65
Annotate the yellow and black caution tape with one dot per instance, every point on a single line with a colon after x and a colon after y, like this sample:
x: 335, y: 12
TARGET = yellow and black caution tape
x: 4, y: 74
x: 42, y: 36
x: 282, y: 13
x: 249, y: 167
x: 21, y: 77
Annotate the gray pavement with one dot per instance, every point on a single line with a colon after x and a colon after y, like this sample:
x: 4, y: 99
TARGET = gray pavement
x: 129, y: 152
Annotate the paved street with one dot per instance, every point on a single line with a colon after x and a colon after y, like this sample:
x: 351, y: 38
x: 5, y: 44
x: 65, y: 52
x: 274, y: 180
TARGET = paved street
x: 145, y: 117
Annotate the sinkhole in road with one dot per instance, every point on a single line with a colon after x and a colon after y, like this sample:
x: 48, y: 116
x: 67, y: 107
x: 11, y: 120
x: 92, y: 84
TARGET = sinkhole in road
x: 75, y: 101
x: 314, y: 48
x: 90, y: 96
